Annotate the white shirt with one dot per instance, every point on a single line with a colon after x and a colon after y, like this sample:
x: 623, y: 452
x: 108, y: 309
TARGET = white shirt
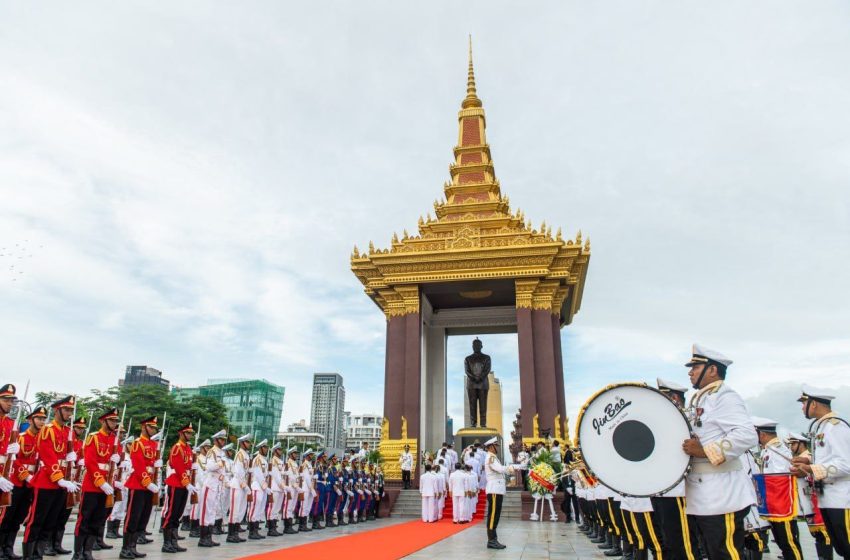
x: 831, y: 461
x: 726, y: 431
x: 426, y: 485
x: 775, y: 457
x: 406, y: 461
x: 458, y: 484
x: 495, y: 473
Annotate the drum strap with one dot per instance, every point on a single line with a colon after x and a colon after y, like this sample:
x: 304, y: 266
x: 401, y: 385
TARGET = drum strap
x: 704, y: 467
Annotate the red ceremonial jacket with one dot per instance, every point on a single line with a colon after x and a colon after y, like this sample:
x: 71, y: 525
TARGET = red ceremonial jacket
x: 98, y: 449
x: 142, y: 457
x: 51, y: 445
x: 26, y: 462
x: 6, y: 427
x: 180, y: 460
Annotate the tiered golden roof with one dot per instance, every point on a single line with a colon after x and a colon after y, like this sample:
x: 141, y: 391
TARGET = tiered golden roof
x: 476, y: 236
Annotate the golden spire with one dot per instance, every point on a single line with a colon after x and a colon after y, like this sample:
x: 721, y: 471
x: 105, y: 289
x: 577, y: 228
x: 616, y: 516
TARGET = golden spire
x: 471, y: 99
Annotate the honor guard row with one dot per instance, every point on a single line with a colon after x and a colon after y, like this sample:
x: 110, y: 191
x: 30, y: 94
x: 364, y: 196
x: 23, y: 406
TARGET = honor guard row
x: 115, y: 480
x: 743, y: 483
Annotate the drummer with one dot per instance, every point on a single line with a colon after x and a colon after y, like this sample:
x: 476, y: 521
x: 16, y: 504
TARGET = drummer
x: 718, y: 489
x: 776, y: 458
x: 829, y: 465
x: 678, y: 540
x: 799, y: 446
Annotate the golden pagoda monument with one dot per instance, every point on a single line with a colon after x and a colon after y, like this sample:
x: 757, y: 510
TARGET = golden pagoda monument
x: 476, y: 266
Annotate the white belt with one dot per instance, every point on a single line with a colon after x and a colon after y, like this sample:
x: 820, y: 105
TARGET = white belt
x: 3, y: 459
x: 103, y: 466
x: 149, y: 469
x: 705, y: 467
x: 31, y: 468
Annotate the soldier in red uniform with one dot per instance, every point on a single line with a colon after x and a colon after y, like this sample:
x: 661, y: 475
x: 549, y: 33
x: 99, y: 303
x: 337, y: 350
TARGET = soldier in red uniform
x: 23, y: 469
x: 49, y: 484
x: 7, y: 427
x: 99, y: 451
x: 78, y: 435
x: 179, y: 484
x: 141, y: 488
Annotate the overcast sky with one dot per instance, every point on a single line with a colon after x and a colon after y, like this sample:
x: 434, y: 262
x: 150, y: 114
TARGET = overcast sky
x: 182, y: 183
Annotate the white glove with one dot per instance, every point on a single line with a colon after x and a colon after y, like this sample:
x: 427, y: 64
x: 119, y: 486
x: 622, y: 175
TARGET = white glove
x: 107, y: 489
x: 157, y: 464
x: 192, y: 489
x: 13, y: 448
x: 268, y: 491
x: 28, y: 479
x: 67, y: 485
x: 152, y: 487
x: 5, y: 484
x: 115, y: 458
x: 196, y: 466
x: 71, y: 457
x: 118, y: 485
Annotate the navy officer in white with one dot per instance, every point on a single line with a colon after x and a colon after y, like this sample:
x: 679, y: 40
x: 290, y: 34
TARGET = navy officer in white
x: 719, y: 492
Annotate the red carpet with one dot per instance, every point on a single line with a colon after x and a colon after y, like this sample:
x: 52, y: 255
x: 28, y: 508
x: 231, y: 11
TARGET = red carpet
x: 386, y: 543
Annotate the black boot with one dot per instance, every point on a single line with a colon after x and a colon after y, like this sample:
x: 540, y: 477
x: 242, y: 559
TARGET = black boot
x: 112, y: 530
x: 126, y: 550
x: 185, y: 523
x: 78, y: 548
x: 45, y: 546
x: 88, y: 546
x: 57, y: 543
x: 492, y: 541
x: 175, y: 537
x: 272, y: 529
x: 287, y: 527
x: 195, y: 528
x: 615, y: 550
x: 167, y: 547
x: 629, y: 551
x: 232, y: 535
x: 253, y: 533
x: 142, y: 538
x: 29, y: 550
x: 329, y: 520
x: 99, y: 543
x: 316, y: 525
x: 216, y: 528
x: 134, y: 541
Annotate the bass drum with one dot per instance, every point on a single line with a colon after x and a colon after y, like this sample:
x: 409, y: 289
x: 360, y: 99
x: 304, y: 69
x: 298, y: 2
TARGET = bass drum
x: 630, y: 436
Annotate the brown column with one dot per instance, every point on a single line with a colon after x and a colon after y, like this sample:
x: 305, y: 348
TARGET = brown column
x: 559, y: 372
x: 544, y: 369
x: 527, y: 382
x: 412, y: 372
x: 394, y: 375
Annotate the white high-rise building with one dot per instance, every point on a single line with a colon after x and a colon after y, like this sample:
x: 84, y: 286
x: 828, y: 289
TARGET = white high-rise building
x: 327, y: 416
x: 363, y: 427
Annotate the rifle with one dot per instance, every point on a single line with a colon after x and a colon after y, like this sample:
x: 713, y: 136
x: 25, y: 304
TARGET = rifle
x: 6, y: 497
x: 71, y: 498
x: 161, y: 450
x: 193, y: 499
x: 110, y: 476
x: 78, y: 472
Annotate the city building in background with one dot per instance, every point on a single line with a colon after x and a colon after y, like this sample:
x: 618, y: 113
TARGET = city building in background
x: 301, y: 435
x: 361, y: 428
x: 494, y: 405
x: 327, y: 414
x: 142, y: 375
x: 253, y: 405
x: 450, y: 429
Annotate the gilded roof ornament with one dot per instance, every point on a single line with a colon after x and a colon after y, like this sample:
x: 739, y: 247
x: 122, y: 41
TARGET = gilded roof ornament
x: 471, y: 99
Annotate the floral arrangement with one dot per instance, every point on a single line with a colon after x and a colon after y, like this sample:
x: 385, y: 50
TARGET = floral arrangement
x: 541, y: 479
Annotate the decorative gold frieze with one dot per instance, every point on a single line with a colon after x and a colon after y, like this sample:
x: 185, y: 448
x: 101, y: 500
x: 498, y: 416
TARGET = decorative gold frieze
x: 391, y: 450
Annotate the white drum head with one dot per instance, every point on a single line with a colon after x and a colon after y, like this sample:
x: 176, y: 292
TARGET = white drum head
x: 631, y: 439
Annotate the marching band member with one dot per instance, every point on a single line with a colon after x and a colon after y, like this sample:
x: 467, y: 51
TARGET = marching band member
x: 260, y: 491
x: 99, y: 453
x: 180, y: 487
x: 26, y: 464
x: 49, y: 484
x: 495, y: 489
x: 679, y: 541
x: 799, y: 446
x: 776, y: 458
x: 213, y: 486
x: 275, y: 503
x: 828, y: 468
x: 756, y: 528
x: 141, y: 487
x: 239, y: 486
x: 719, y: 492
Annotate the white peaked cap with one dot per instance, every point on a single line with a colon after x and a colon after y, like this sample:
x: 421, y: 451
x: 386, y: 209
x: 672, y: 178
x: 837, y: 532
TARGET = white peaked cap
x: 701, y: 355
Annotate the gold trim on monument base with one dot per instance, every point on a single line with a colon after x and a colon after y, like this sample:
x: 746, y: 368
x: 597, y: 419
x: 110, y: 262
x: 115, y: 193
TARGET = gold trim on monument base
x: 391, y: 450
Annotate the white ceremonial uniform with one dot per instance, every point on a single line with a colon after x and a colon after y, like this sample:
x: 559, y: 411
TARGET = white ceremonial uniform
x: 308, y: 488
x: 199, y: 466
x: 427, y: 491
x: 442, y: 489
x: 474, y: 489
x: 719, y: 484
x: 406, y: 461
x: 459, y: 486
x: 259, y: 489
x: 213, y: 484
x: 239, y: 486
x: 831, y: 461
x: 278, y: 489
x: 753, y: 521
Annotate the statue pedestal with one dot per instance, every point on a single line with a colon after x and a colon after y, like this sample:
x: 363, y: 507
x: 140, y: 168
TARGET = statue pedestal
x: 468, y: 436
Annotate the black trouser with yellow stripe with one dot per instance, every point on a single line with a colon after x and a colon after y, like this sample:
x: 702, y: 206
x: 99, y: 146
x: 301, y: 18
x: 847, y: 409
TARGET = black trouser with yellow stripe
x: 837, y: 523
x: 494, y: 510
x: 723, y: 535
x: 645, y: 532
x: 678, y: 536
x: 787, y: 536
x: 823, y: 544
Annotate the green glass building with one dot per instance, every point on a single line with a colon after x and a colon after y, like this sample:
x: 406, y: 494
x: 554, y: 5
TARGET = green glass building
x: 253, y: 405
